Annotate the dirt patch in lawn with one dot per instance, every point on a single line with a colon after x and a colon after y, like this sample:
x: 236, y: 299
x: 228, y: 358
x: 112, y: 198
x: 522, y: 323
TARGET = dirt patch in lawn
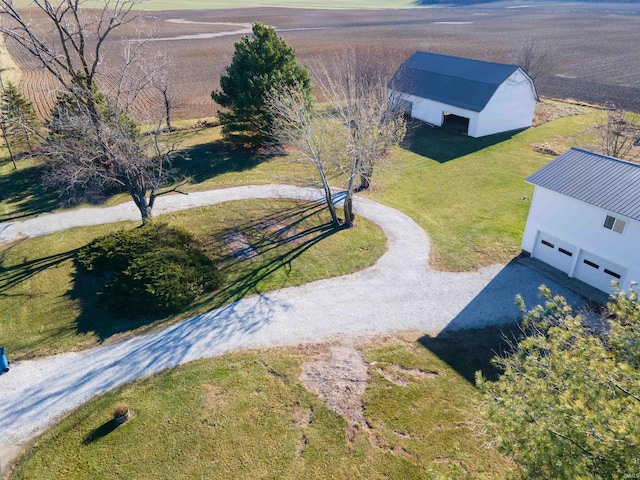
x: 239, y: 245
x: 404, y: 376
x: 549, y: 109
x: 340, y: 379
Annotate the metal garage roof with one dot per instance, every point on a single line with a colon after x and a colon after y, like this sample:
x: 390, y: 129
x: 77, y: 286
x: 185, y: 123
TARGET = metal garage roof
x: 606, y: 182
x: 461, y: 82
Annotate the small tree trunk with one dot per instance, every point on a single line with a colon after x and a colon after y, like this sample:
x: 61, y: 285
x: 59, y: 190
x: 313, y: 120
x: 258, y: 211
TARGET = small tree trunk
x: 167, y: 108
x: 365, y: 182
x: 331, y: 207
x: 3, y: 127
x: 145, y: 208
x: 349, y: 217
x: 328, y: 196
x: 28, y: 135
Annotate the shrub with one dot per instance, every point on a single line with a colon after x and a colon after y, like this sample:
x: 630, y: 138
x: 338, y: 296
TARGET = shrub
x: 114, y: 252
x: 154, y: 269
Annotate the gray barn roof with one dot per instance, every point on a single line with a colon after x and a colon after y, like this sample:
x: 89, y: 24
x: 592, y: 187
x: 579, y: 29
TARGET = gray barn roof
x: 606, y: 182
x: 461, y: 82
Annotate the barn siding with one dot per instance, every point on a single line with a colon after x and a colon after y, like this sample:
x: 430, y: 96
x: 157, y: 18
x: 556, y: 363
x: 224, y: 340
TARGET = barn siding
x: 510, y: 108
x: 431, y: 112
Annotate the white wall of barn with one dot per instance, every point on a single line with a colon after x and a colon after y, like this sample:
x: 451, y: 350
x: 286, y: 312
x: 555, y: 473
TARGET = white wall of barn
x: 511, y: 107
x: 582, y: 225
x: 432, y: 112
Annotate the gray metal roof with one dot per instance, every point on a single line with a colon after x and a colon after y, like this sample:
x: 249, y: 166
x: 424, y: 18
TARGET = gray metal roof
x: 606, y: 182
x: 461, y: 82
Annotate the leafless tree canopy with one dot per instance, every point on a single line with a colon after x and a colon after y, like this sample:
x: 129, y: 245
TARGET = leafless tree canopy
x: 535, y: 59
x: 86, y: 164
x: 619, y: 133
x: 105, y: 152
x: 356, y: 87
x: 294, y: 126
x: 355, y: 127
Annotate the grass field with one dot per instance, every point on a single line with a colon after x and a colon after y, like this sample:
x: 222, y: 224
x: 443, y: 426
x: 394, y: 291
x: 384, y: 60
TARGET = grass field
x: 469, y: 194
x: 250, y: 415
x: 47, y: 307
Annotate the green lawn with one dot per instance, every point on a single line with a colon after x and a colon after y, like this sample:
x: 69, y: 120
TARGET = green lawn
x: 205, y: 159
x: 469, y: 194
x: 249, y: 415
x: 47, y: 307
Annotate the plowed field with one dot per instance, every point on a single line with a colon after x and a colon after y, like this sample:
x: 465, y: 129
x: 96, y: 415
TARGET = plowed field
x: 595, y: 49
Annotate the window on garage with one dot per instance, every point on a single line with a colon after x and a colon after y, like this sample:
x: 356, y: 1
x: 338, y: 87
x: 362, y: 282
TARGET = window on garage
x: 615, y: 224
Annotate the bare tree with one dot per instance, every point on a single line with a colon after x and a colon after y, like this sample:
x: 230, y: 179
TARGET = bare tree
x: 311, y: 138
x: 161, y: 85
x: 70, y: 44
x: 620, y: 134
x: 356, y: 87
x: 535, y: 59
x: 168, y: 102
x: 78, y: 167
x: 353, y: 132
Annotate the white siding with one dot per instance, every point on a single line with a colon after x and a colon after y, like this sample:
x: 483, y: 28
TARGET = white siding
x: 432, y: 112
x: 581, y: 224
x: 510, y: 108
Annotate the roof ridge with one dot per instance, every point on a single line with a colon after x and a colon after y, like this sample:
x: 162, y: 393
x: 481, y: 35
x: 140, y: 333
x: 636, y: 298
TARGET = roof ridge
x: 602, y: 155
x: 452, y: 76
x: 468, y: 59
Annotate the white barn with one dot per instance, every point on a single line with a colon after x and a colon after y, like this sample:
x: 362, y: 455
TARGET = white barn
x: 585, y: 218
x: 483, y: 97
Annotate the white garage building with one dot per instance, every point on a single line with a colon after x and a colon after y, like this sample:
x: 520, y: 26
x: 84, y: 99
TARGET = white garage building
x: 585, y: 218
x: 483, y: 97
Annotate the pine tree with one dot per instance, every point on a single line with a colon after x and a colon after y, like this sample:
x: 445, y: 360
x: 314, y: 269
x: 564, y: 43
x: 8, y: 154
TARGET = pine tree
x: 259, y: 64
x: 18, y: 118
x: 568, y: 402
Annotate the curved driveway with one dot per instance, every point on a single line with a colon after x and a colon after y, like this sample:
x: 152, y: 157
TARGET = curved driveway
x: 399, y: 292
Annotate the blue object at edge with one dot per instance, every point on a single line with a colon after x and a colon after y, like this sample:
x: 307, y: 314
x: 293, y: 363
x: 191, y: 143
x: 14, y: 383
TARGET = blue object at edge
x: 4, y: 364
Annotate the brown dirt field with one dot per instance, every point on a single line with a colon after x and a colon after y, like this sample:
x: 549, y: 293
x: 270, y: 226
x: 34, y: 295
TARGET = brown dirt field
x: 595, y: 49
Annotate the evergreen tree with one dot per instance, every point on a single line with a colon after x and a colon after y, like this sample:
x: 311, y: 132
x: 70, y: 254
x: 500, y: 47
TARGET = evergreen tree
x: 568, y: 402
x: 258, y: 65
x: 18, y: 119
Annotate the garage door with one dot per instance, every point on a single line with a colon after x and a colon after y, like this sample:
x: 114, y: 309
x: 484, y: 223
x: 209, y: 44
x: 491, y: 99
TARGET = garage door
x: 598, y: 272
x: 555, y: 252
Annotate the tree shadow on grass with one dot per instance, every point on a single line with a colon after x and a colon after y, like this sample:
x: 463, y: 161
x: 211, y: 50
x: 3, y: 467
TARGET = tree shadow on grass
x: 208, y: 160
x: 102, y: 431
x: 13, y: 276
x: 444, y: 145
x: 277, y: 240
x: 467, y: 351
x: 283, y: 233
x: 23, y: 194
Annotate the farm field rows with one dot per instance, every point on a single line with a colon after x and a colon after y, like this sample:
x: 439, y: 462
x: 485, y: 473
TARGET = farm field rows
x: 594, y: 51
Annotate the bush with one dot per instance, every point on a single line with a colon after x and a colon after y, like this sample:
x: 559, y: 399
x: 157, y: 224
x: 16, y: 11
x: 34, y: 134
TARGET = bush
x: 114, y: 252
x: 154, y: 269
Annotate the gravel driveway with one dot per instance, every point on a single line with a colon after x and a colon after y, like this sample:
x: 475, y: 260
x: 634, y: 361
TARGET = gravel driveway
x: 399, y: 292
